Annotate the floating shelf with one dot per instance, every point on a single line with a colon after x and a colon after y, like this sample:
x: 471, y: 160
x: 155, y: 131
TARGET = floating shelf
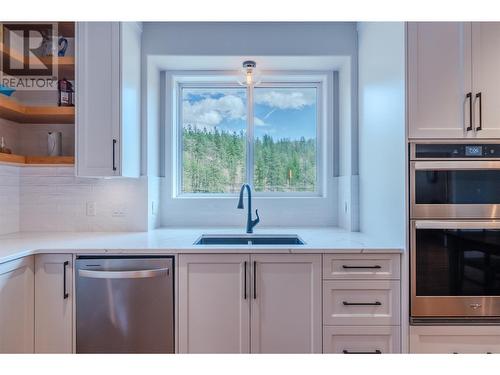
x: 12, y: 110
x: 37, y: 160
x: 66, y: 29
x: 65, y: 64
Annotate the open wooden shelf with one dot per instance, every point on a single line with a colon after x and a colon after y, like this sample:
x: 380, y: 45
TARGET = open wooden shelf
x: 65, y: 64
x: 12, y: 110
x: 37, y: 160
x: 66, y: 29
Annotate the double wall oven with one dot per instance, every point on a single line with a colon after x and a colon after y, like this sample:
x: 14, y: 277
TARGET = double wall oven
x: 455, y: 231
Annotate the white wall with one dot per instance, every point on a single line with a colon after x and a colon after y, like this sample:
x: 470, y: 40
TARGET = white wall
x: 382, y: 147
x: 249, y: 38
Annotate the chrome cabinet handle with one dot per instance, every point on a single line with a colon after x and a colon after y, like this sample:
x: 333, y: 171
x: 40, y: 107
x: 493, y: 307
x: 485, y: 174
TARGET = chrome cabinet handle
x: 65, y: 293
x: 479, y: 97
x: 376, y: 351
x: 376, y: 303
x: 138, y: 274
x: 362, y: 267
x: 469, y: 96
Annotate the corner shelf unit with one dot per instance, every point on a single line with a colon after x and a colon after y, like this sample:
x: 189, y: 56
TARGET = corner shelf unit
x: 11, y: 109
x: 45, y: 116
x: 36, y: 160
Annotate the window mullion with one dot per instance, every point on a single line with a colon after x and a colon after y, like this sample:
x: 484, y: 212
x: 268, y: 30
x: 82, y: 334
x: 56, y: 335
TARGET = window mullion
x: 250, y: 135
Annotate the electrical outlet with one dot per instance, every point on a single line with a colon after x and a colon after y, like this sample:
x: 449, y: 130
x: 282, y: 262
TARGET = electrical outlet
x: 91, y: 208
x: 119, y: 212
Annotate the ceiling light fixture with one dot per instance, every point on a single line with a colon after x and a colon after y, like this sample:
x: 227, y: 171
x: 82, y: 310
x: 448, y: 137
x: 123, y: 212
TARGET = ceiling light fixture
x: 249, y: 74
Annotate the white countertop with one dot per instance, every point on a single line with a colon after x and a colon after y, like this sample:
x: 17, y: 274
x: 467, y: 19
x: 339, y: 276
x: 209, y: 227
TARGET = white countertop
x: 176, y: 240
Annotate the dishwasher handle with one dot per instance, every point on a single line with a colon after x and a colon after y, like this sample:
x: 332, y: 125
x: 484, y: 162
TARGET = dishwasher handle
x: 137, y: 274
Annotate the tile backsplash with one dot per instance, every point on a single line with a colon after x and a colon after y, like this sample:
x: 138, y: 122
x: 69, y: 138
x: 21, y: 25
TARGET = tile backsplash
x: 9, y: 199
x: 53, y: 199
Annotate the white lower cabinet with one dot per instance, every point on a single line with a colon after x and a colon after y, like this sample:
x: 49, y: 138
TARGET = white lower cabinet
x: 53, y: 303
x: 455, y: 339
x: 269, y: 303
x: 286, y: 303
x: 16, y: 306
x: 361, y: 303
x: 214, y: 312
x: 361, y: 339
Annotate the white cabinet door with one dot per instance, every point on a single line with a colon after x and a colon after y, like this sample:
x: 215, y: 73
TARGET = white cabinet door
x: 16, y: 306
x: 454, y: 339
x: 53, y: 303
x: 214, y: 308
x: 286, y: 303
x: 108, y: 99
x: 439, y: 79
x: 486, y: 78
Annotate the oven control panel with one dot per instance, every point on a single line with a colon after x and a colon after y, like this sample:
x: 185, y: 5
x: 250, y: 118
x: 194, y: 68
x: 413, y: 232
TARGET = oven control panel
x: 458, y: 151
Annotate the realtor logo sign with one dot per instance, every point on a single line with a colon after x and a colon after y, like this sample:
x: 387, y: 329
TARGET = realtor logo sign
x: 28, y: 59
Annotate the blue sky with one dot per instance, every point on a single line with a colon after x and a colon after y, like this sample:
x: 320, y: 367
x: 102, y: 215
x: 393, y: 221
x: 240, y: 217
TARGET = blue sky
x: 279, y: 112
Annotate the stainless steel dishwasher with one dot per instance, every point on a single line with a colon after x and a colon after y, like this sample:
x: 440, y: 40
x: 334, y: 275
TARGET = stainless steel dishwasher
x: 124, y: 304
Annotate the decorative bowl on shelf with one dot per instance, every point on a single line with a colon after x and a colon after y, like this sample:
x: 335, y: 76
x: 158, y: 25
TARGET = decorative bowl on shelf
x: 6, y: 90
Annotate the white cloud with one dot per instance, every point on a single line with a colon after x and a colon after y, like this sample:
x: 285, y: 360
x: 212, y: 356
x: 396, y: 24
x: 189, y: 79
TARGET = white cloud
x: 286, y: 99
x: 259, y: 122
x: 210, y: 112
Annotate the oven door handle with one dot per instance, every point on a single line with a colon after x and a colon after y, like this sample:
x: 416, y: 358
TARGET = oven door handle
x: 455, y: 224
x: 455, y: 165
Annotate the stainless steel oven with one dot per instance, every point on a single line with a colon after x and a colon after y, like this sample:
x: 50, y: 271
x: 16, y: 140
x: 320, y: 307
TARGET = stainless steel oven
x: 455, y: 268
x: 455, y: 230
x: 455, y: 181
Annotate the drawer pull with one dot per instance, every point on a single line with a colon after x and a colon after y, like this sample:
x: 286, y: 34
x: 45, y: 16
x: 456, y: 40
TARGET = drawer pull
x: 362, y: 267
x: 376, y: 303
x: 350, y: 352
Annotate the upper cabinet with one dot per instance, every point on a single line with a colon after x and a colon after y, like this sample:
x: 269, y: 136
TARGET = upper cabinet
x: 108, y: 94
x: 486, y: 78
x: 452, y: 82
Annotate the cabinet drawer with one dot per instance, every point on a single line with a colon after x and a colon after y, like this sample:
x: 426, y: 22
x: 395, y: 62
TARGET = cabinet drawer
x: 361, y: 266
x: 355, y: 302
x: 361, y: 340
x: 455, y: 339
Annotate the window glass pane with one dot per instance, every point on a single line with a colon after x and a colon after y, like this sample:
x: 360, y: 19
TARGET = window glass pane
x: 213, y: 139
x: 285, y: 139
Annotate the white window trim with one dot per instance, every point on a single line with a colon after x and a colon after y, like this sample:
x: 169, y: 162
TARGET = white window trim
x: 224, y: 79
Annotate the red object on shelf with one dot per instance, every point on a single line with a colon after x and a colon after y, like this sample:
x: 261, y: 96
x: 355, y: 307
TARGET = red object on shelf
x: 66, y: 93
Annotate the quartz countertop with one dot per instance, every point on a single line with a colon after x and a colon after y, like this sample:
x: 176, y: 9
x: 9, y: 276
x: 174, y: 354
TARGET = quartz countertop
x: 181, y: 240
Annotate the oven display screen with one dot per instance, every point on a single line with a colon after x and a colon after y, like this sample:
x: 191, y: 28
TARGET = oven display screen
x: 473, y: 150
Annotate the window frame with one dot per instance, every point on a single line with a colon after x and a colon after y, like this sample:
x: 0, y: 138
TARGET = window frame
x: 222, y: 79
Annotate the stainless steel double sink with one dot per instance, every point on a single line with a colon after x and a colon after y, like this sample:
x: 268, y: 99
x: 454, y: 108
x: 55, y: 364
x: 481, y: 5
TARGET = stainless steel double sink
x: 249, y: 239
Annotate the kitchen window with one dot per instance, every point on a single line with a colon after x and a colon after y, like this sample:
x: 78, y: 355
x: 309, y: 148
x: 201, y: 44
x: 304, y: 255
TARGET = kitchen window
x: 267, y: 135
x: 278, y: 136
